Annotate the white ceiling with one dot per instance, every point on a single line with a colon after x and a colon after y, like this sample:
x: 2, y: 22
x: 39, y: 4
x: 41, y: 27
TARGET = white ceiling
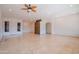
x: 44, y: 11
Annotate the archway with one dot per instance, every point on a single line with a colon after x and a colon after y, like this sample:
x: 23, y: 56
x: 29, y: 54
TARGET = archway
x: 48, y: 28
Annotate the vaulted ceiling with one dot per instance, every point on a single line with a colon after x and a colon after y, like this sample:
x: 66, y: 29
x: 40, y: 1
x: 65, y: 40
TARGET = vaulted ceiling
x: 44, y: 11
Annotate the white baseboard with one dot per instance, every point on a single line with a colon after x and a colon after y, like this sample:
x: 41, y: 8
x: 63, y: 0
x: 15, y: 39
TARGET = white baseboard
x: 70, y: 35
x: 8, y: 35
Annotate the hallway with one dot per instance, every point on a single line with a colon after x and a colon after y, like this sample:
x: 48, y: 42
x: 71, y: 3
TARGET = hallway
x: 31, y: 43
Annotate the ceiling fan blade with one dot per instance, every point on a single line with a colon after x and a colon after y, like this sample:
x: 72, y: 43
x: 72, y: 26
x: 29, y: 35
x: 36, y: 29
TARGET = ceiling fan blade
x: 24, y: 8
x: 34, y: 7
x: 33, y: 10
x: 26, y: 5
x: 29, y: 7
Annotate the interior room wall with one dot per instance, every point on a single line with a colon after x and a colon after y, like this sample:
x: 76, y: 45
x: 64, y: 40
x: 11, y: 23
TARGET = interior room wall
x: 67, y: 25
x: 12, y: 26
x: 0, y: 26
x: 42, y: 27
x: 28, y: 26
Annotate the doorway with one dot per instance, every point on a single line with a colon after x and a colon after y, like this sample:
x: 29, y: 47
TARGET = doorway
x: 48, y: 28
x: 37, y: 27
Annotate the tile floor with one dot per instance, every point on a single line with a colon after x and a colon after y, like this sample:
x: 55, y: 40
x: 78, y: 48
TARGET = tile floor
x: 39, y: 44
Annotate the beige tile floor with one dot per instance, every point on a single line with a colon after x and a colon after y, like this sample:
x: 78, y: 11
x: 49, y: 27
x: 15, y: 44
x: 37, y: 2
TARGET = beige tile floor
x: 42, y: 44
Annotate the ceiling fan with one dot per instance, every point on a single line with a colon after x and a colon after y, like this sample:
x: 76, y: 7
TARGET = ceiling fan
x: 29, y: 7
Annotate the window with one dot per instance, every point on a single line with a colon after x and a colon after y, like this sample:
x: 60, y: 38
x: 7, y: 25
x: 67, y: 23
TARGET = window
x: 6, y: 25
x: 18, y: 26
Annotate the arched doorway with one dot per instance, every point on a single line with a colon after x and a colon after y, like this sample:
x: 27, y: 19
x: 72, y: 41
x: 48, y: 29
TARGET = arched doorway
x: 48, y: 28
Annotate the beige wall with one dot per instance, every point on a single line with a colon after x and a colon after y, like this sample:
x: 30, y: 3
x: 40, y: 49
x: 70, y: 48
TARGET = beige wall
x: 28, y: 26
x: 67, y: 25
x: 60, y: 16
x: 12, y: 26
x: 0, y: 27
x: 64, y: 25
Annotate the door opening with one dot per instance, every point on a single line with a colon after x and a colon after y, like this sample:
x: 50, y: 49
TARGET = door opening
x: 37, y: 27
x: 48, y: 28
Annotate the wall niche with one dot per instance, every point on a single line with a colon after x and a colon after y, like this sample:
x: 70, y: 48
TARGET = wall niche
x: 6, y: 26
x: 18, y: 26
